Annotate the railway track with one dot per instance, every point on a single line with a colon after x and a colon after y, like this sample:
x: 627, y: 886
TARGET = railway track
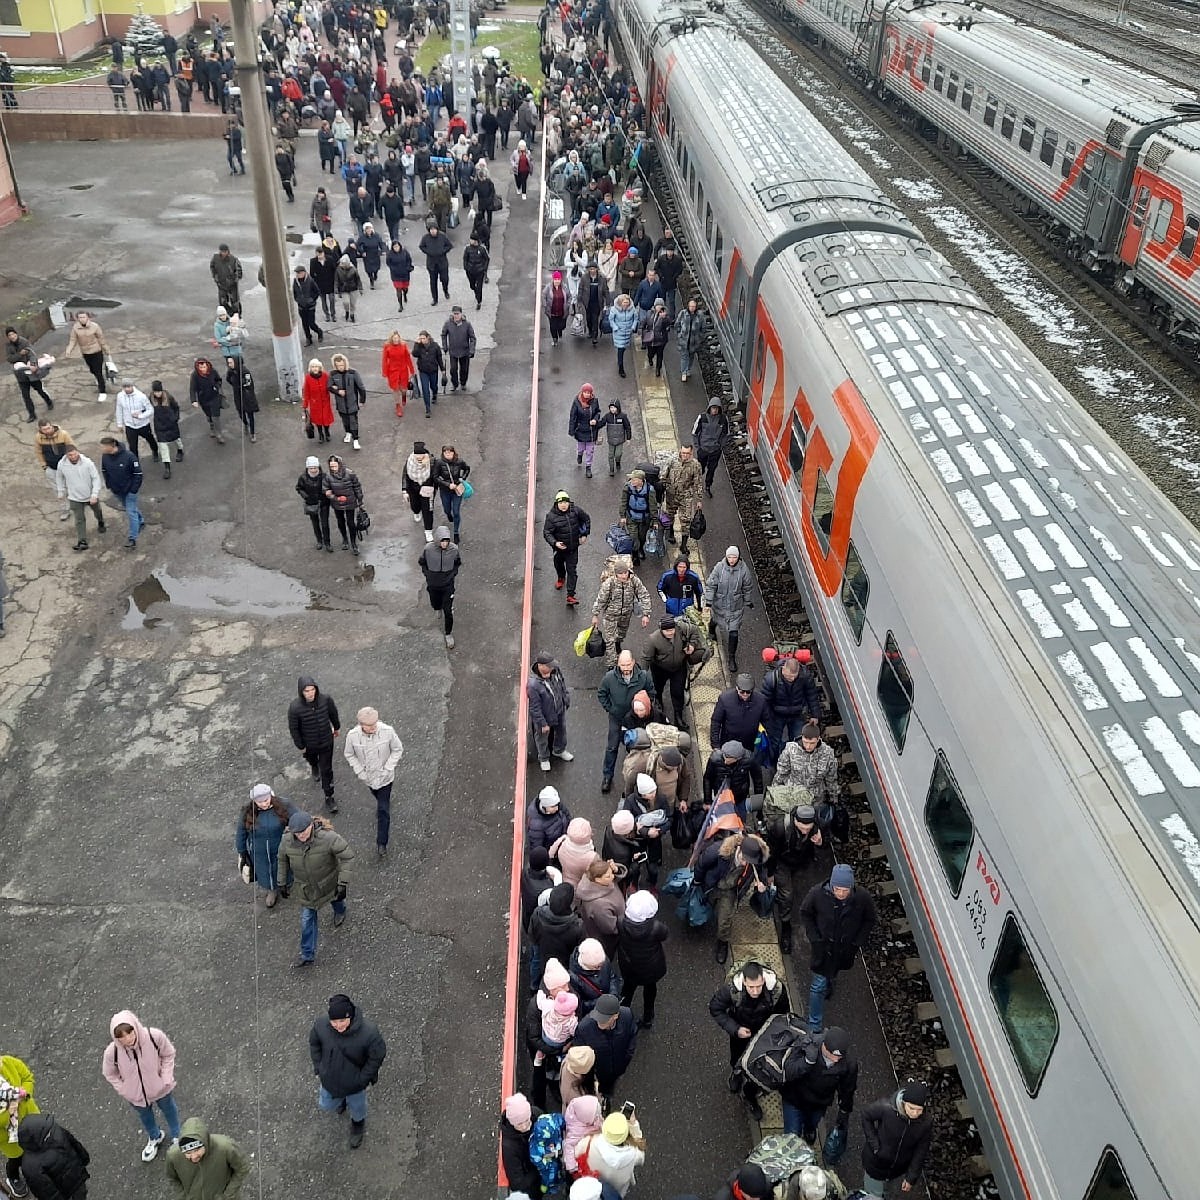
x: 1141, y: 389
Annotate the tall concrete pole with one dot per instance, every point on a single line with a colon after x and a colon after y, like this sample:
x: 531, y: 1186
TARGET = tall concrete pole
x: 460, y: 56
x: 261, y: 153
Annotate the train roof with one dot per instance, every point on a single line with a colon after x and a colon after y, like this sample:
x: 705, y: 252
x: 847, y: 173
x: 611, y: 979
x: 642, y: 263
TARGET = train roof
x: 1104, y: 570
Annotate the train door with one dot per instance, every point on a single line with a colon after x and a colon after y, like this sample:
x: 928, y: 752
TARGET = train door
x: 1097, y: 180
x: 1155, y: 226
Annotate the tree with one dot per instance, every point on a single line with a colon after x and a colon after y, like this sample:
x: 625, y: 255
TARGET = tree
x: 144, y: 37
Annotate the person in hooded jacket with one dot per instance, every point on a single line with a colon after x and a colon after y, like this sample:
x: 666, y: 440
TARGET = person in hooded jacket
x: 53, y: 1160
x: 549, y: 699
x: 575, y: 850
x: 440, y: 563
x: 204, y: 391
x: 516, y: 1124
x: 139, y: 1062
x: 897, y: 1131
x: 556, y: 302
x: 537, y: 878
x: 311, y: 490
x: 400, y: 267
x: 593, y: 974
x: 623, y: 319
x: 16, y: 1105
x: 241, y: 384
x: 206, y: 1166
x: 730, y: 872
x: 347, y: 1051
x: 318, y: 407
x: 728, y: 591
x: 546, y: 819
x: 477, y: 258
x: 681, y: 588
x: 741, y: 1007
x: 748, y: 1182
x: 349, y: 394
x: 710, y: 435
x: 555, y: 929
x: 345, y: 496
x: 582, y: 1116
x: 640, y: 953
x: 313, y: 722
x: 166, y: 426
x: 371, y: 247
x: 617, y: 431
x: 793, y: 700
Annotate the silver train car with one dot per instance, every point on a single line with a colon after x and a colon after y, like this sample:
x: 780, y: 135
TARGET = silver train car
x: 1008, y: 612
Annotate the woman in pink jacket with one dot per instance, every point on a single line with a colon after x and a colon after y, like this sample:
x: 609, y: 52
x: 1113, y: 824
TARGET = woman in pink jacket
x: 140, y: 1063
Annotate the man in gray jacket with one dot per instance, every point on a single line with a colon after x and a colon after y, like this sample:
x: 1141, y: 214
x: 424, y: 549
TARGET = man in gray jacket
x: 727, y: 592
x: 458, y: 343
x: 319, y: 859
x: 78, y: 475
x: 373, y: 749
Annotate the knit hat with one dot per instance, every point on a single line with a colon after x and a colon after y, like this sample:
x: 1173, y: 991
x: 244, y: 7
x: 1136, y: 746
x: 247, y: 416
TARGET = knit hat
x: 616, y: 1128
x: 622, y: 823
x: 299, y: 821
x: 419, y: 448
x: 156, y: 385
x: 517, y: 1109
x: 260, y: 791
x: 312, y: 461
x: 548, y: 798
x: 580, y: 1059
x: 641, y: 906
x: 189, y: 1142
x: 579, y: 830
x: 646, y: 785
x: 561, y: 496
x: 222, y: 313
x: 554, y: 975
x: 340, y: 1007
x: 666, y: 622
x: 539, y: 858
x: 915, y: 1092
x: 565, y: 1003
x: 591, y: 954
x: 752, y: 1182
x: 752, y: 850
x: 842, y: 876
x: 588, y: 1187
x: 556, y: 276
x: 732, y: 552
x: 607, y: 1006
x: 669, y: 756
x: 836, y: 1040
x: 562, y: 899
x: 805, y: 813
x: 732, y: 749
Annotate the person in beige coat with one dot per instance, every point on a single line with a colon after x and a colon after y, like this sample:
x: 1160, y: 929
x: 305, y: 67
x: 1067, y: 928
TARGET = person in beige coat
x: 373, y: 750
x: 88, y: 338
x: 601, y: 904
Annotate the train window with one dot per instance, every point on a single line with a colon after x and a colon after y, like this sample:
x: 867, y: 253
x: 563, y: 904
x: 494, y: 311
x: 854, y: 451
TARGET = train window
x: 952, y: 87
x: 1028, y: 128
x: 741, y: 309
x: 939, y: 77
x: 692, y: 179
x: 684, y: 159
x: 822, y: 510
x: 797, y: 444
x: 708, y: 222
x: 719, y: 249
x: 968, y: 96
x: 989, y: 111
x: 760, y: 359
x: 908, y: 59
x: 1049, y: 146
x: 1109, y: 1182
x: 926, y: 70
x: 1162, y: 220
x: 947, y: 819
x: 1085, y: 175
x: 700, y: 201
x: 895, y: 690
x: 1068, y: 159
x: 1024, y: 1006
x: 1140, y: 204
x: 1187, y: 244
x: 856, y: 587
x: 680, y: 153
x: 1008, y: 122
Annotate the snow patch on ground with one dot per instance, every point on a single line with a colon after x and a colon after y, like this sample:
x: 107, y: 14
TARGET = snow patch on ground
x: 917, y: 189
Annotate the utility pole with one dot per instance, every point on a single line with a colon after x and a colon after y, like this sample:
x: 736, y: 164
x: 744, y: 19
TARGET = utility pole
x: 460, y: 55
x: 285, y: 337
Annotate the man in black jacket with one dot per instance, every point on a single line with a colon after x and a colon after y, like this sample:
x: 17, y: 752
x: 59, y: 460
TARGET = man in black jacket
x: 738, y: 713
x: 838, y: 918
x: 611, y: 1031
x: 440, y: 563
x: 897, y: 1131
x: 793, y: 699
x: 347, y: 1051
x: 123, y: 477
x: 436, y: 247
x: 307, y: 295
x: 826, y: 1070
x: 53, y: 1161
x: 549, y: 699
x: 742, y: 1007
x: 313, y: 722
x: 566, y: 528
x: 709, y: 435
x: 555, y: 928
x: 794, y: 839
x: 731, y: 766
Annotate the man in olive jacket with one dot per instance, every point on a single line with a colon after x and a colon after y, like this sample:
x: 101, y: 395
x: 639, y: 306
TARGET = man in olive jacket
x: 319, y: 860
x: 347, y: 1051
x: 206, y: 1166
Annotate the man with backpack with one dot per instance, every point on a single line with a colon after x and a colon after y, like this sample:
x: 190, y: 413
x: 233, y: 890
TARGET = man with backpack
x: 794, y: 838
x: 793, y: 701
x: 741, y: 1006
x: 826, y: 1070
x: 809, y: 763
x: 639, y: 507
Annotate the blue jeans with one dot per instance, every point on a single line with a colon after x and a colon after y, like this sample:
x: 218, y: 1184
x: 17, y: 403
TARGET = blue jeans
x: 816, y: 1002
x: 136, y: 520
x: 612, y: 746
x: 356, y: 1102
x: 685, y: 360
x: 166, y: 1106
x: 803, y: 1121
x: 452, y: 507
x: 429, y: 386
x: 783, y: 730
x: 308, y: 929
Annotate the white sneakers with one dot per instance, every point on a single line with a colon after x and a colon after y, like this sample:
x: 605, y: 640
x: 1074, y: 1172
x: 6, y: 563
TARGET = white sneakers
x: 429, y: 535
x: 683, y: 377
x: 417, y: 517
x: 449, y: 641
x: 65, y: 516
x: 102, y: 398
x: 150, y: 1150
x: 356, y: 444
x: 544, y: 764
x: 346, y: 438
x: 565, y: 755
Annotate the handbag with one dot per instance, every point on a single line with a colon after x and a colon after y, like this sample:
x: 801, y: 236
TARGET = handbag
x: 246, y: 868
x: 362, y: 521
x: 581, y: 641
x: 699, y: 526
x: 605, y: 322
x: 497, y: 202
x: 426, y: 491
x: 310, y: 430
x: 578, y: 328
x: 595, y: 646
x: 468, y: 491
x: 312, y: 510
x: 647, y: 338
x: 762, y: 904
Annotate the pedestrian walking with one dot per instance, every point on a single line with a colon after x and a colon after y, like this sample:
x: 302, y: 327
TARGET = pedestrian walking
x: 556, y: 302
x: 88, y: 338
x: 226, y: 270
x: 681, y: 588
x: 683, y: 487
x: 135, y: 417
x: 204, y: 391
x: 285, y: 165
x: 710, y: 435
x: 476, y: 260
x: 737, y: 714
x: 310, y: 488
x: 613, y: 1155
x: 638, y: 510
x: 123, y: 477
x: 347, y: 1051
x: 549, y: 699
x: 727, y: 592
x: 419, y: 485
x: 669, y: 653
x: 741, y: 1007
x: 348, y: 284
x: 400, y: 267
x: 611, y: 1030
x: 139, y: 1063
x: 166, y: 425
x: 398, y: 369
x: 731, y: 871
x: 436, y: 247
x: 623, y: 321
x: 565, y: 529
x: 233, y: 147
x: 391, y: 209
x: 24, y: 362
x: 313, y: 723
x: 620, y: 596
x: 897, y: 1132
x: 117, y: 83
x: 583, y: 425
x: 318, y: 406
x: 241, y: 386
x: 53, y: 1160
x: 320, y: 218
x: 516, y: 1127
x: 794, y: 839
x: 345, y: 495
x: 349, y: 394
x: 371, y: 247
x: 259, y: 832
x: 809, y: 762
x: 838, y: 918
x: 451, y: 479
x: 430, y: 365
x: 521, y: 166
x: 640, y: 954
x: 16, y: 1103
x: 731, y: 767
x: 458, y: 342
x: 318, y: 859
x: 50, y: 447
x: 793, y: 702
x: 440, y: 562
x: 323, y: 269
x: 81, y: 484
x: 827, y: 1071
x: 206, y: 1166
x: 654, y: 328
x: 617, y: 431
x: 307, y: 296
x: 691, y: 328
x: 616, y: 694
x: 373, y: 751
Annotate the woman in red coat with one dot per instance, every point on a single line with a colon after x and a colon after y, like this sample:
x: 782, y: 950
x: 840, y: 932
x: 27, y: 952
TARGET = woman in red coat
x: 398, y: 369
x: 317, y: 406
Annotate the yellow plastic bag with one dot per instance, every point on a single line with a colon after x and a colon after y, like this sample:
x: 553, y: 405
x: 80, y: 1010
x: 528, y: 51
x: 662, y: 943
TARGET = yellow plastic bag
x: 581, y: 639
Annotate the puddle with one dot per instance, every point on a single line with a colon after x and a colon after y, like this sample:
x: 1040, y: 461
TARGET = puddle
x: 88, y: 305
x: 388, y: 563
x: 241, y: 589
x: 80, y: 187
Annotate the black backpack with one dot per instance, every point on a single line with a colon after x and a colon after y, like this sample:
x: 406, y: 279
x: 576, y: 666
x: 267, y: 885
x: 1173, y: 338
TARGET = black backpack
x: 778, y: 1045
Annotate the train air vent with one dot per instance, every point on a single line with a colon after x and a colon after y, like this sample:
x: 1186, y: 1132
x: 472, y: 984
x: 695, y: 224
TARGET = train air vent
x: 1157, y: 155
x: 1114, y: 135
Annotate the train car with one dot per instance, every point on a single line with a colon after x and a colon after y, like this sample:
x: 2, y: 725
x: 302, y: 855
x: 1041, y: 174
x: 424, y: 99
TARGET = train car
x: 1009, y: 614
x: 1110, y: 154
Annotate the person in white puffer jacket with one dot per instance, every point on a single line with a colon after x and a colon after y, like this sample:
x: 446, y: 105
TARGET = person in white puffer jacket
x: 373, y: 750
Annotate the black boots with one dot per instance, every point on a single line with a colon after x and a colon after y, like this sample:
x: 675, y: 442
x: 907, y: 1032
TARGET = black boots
x: 785, y: 937
x: 721, y: 952
x: 356, y: 1133
x: 166, y: 470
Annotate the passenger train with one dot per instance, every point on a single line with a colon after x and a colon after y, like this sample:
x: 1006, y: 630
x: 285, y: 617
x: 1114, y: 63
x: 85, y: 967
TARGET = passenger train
x: 1008, y: 612
x: 1108, y: 154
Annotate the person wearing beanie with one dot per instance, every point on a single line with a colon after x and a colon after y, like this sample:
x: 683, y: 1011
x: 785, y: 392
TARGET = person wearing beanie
x: 578, y: 1075
x: 317, y: 403
x: 516, y: 1125
x: 838, y: 918
x: 546, y: 819
x: 623, y: 847
x: 420, y: 485
x: 259, y: 833
x: 611, y: 1031
x: 732, y: 767
x: 458, y: 343
x: 748, y: 1182
x: 204, y: 1165
x: 316, y: 861
x: 795, y: 839
x: 559, y: 1020
x: 620, y: 596
x: 615, y: 1153
x: 556, y: 303
x: 565, y: 529
x: 165, y: 423
x: 582, y: 1116
x: 601, y: 903
x: 592, y: 975
x: 537, y: 878
x: 583, y: 426
x: 738, y: 713
x: 587, y: 1187
x: 827, y: 1072
x: 640, y: 954
x: 651, y: 823
x: 710, y: 436
x: 555, y: 928
x: 729, y: 592
x: 637, y: 512
x: 731, y: 870
x: 346, y: 1051
x: 440, y: 563
x: 668, y: 654
x: 575, y: 850
x: 373, y: 750
x: 897, y: 1132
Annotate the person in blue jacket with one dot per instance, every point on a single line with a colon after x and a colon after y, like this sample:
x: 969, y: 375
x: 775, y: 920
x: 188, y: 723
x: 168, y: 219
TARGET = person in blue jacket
x: 259, y: 832
x: 680, y: 588
x: 123, y: 477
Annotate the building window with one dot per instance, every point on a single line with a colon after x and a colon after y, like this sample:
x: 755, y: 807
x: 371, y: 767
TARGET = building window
x: 1008, y: 122
x: 822, y: 510
x: 10, y: 14
x: 949, y: 822
x: 1028, y: 129
x: 895, y: 690
x: 1109, y: 1182
x: 1085, y: 175
x: 856, y: 588
x: 1023, y: 1004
